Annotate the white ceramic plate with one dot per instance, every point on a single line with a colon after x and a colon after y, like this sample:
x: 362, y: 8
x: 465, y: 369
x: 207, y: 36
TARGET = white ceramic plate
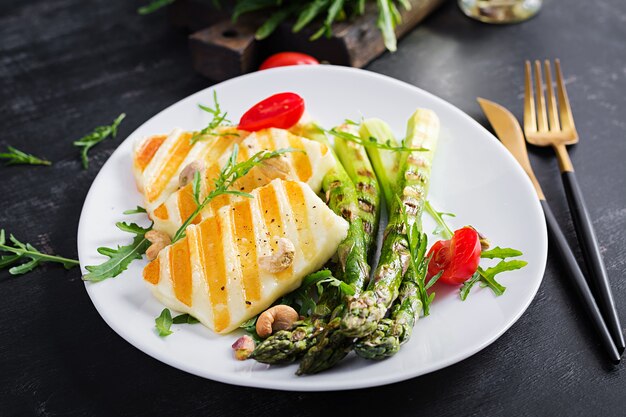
x: 473, y: 176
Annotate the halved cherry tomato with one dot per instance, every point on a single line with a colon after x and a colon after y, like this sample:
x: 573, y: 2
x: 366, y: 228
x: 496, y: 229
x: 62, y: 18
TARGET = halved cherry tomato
x: 285, y: 59
x: 458, y: 257
x: 282, y: 110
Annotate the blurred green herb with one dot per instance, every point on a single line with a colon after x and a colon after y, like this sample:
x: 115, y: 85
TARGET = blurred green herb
x: 15, y: 157
x: 13, y: 251
x: 99, y: 134
x: 219, y: 119
x: 306, y: 12
x: 387, y: 145
x: 154, y: 6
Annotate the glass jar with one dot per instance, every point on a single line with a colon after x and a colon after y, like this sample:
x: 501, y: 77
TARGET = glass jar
x: 500, y: 11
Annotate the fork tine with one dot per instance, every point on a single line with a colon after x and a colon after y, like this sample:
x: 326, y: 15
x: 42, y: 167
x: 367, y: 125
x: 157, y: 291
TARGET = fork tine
x: 530, y: 121
x: 567, y: 119
x: 542, y: 119
x: 552, y: 110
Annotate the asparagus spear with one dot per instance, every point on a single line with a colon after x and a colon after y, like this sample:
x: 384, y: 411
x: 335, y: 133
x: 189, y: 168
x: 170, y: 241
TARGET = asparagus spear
x: 385, y: 162
x: 332, y: 345
x: 396, y: 330
x: 353, y: 157
x: 366, y: 310
x: 286, y: 346
x: 341, y: 197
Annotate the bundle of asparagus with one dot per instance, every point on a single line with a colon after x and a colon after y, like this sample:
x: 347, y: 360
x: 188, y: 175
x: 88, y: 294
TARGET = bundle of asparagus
x: 342, y: 323
x: 352, y: 267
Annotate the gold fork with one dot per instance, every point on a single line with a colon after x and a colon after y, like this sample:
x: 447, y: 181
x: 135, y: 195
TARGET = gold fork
x: 559, y: 132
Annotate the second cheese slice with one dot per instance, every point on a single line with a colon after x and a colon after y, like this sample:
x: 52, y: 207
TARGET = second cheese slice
x: 215, y: 273
x: 309, y: 164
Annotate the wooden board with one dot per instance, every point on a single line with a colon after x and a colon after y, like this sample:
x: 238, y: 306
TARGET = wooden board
x: 222, y: 49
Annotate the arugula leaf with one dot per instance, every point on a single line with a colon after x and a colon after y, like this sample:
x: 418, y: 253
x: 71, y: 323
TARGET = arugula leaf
x: 122, y: 256
x: 487, y: 277
x: 185, y: 319
x: 15, y: 251
x: 163, y: 323
x: 304, y: 299
x: 504, y: 266
x: 500, y: 253
x: 467, y: 285
x: 99, y: 134
x: 229, y: 174
x: 15, y: 156
x: 249, y: 325
x: 137, y: 210
x: 154, y: 6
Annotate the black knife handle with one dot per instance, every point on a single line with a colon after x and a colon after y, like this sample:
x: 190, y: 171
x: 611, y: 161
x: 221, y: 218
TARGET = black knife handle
x: 578, y: 280
x: 591, y: 252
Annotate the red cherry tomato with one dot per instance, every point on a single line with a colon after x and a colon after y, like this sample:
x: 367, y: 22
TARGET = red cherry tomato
x: 285, y: 59
x: 458, y: 257
x: 282, y: 110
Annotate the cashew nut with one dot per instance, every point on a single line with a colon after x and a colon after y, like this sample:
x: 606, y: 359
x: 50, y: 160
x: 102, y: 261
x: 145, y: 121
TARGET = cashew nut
x: 243, y: 347
x: 275, y: 168
x: 187, y: 174
x: 159, y: 240
x: 280, y: 259
x: 279, y: 317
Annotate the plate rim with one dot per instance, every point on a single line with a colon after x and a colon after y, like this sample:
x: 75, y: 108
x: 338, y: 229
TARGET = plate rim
x: 331, y: 385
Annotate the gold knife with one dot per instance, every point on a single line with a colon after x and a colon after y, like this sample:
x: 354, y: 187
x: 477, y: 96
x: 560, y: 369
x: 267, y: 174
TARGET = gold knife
x: 509, y: 132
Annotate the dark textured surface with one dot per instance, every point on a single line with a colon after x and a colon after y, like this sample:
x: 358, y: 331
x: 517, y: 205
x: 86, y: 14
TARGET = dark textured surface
x: 69, y: 65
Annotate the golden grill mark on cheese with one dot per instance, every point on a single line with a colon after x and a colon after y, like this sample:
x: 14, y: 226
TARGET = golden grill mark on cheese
x: 152, y: 272
x: 180, y: 268
x: 246, y: 243
x: 219, y: 145
x: 170, y: 166
x: 161, y: 212
x: 144, y: 155
x: 301, y: 161
x: 301, y: 218
x: 187, y: 205
x: 270, y: 207
x: 211, y: 240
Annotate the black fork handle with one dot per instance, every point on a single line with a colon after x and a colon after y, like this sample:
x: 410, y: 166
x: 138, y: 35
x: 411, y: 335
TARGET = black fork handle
x: 593, y: 259
x: 577, y: 278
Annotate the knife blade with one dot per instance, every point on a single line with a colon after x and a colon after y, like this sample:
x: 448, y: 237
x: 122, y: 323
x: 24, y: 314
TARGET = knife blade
x: 509, y: 132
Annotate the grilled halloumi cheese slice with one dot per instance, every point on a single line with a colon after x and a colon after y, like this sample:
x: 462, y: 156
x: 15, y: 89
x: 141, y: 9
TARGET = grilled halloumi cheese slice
x: 217, y: 272
x: 158, y: 160
x: 309, y: 166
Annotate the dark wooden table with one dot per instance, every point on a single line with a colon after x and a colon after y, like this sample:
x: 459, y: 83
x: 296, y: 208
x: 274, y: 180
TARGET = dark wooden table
x: 70, y: 65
